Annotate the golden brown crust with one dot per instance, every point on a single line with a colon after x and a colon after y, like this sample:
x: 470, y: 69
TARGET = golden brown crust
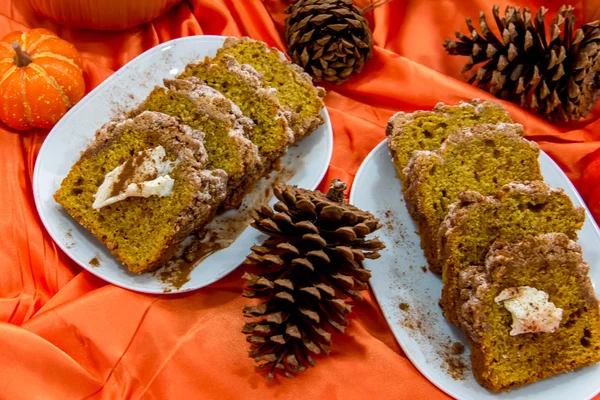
x: 396, y: 126
x: 303, y: 126
x: 421, y: 165
x: 252, y: 80
x: 212, y: 104
x: 186, y: 143
x: 458, y: 219
x: 165, y: 129
x: 479, y: 284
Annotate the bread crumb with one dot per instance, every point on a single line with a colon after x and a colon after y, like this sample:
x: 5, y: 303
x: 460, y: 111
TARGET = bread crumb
x: 458, y: 348
x: 95, y: 262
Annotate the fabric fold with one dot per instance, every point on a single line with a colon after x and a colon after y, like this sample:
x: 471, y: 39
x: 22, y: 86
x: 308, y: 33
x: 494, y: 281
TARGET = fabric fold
x: 67, y: 334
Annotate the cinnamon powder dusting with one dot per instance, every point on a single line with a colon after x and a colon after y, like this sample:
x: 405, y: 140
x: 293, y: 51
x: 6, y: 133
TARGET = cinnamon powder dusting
x: 421, y: 326
x: 220, y: 233
x: 129, y: 170
x: 177, y: 272
x: 69, y: 237
x: 454, y: 360
x: 395, y: 228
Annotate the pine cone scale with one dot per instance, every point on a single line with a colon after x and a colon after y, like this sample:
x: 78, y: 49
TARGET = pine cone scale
x: 568, y: 64
x: 341, y: 30
x: 308, y: 269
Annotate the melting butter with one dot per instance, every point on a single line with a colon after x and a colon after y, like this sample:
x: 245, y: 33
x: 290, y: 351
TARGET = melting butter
x: 531, y: 311
x: 143, y: 175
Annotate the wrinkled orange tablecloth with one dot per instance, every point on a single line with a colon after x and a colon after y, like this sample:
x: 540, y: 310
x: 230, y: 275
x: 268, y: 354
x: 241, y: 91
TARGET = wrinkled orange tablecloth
x: 65, y: 334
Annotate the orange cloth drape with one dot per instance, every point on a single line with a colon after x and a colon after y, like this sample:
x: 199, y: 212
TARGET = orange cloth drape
x: 65, y: 334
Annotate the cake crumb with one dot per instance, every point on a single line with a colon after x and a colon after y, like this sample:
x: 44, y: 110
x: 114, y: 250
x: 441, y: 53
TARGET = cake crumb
x: 68, y: 234
x: 424, y: 269
x: 404, y: 306
x: 458, y: 348
x: 389, y: 224
x: 95, y: 262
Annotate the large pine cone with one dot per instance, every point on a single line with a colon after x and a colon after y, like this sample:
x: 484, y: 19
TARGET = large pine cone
x: 559, y: 78
x: 309, y: 266
x: 330, y: 39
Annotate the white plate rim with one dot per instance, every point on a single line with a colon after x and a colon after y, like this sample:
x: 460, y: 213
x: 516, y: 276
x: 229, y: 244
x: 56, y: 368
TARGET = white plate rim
x: 89, y: 98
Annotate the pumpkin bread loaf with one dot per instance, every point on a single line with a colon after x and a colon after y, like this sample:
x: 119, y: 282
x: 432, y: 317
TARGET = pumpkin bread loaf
x: 427, y: 130
x: 294, y: 87
x: 143, y: 232
x: 482, y: 158
x: 530, y: 312
x: 475, y: 221
x: 241, y: 84
x: 225, y: 129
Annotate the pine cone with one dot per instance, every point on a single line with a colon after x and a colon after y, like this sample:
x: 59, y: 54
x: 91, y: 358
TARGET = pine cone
x: 559, y: 79
x: 330, y: 39
x: 309, y: 266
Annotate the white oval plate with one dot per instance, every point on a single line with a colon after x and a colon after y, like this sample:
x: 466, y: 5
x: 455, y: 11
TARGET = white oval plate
x: 121, y: 91
x: 394, y: 282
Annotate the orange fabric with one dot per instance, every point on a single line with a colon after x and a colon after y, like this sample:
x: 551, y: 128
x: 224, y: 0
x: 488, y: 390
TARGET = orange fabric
x: 66, y: 334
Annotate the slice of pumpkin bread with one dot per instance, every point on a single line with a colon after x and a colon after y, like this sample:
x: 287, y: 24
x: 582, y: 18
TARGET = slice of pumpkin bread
x: 241, y: 84
x: 295, y: 89
x: 141, y: 187
x: 482, y: 158
x: 475, y: 221
x: 427, y: 130
x: 225, y: 129
x: 531, y: 312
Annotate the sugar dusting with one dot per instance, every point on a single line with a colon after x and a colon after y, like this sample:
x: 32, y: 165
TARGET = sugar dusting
x: 220, y: 233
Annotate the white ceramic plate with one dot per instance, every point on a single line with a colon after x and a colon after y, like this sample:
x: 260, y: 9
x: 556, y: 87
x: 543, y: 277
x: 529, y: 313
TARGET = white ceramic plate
x: 124, y: 89
x: 395, y: 282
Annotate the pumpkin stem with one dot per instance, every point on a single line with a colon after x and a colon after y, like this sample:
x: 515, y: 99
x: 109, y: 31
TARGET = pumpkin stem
x: 22, y: 59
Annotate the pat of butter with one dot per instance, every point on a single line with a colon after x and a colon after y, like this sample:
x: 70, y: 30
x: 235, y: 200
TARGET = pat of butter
x: 531, y: 311
x: 143, y: 175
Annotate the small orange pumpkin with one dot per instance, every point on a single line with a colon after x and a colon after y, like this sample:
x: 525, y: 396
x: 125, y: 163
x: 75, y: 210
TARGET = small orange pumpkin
x: 41, y: 77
